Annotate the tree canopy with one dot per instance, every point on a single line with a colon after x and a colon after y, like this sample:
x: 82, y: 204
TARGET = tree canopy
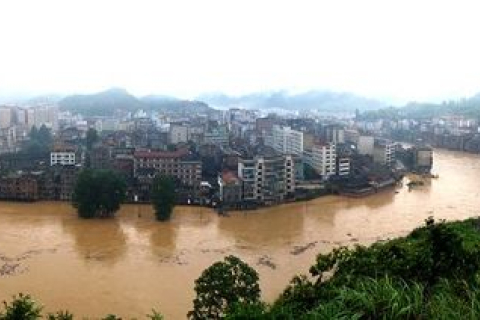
x: 40, y: 141
x: 163, y: 197
x: 221, y: 286
x: 92, y: 137
x: 98, y: 193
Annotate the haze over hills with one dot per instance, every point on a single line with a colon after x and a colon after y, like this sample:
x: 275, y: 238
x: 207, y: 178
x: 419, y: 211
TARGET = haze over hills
x: 311, y: 100
x: 108, y: 102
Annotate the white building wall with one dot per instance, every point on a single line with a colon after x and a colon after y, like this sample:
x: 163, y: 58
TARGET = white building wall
x: 178, y: 133
x: 62, y: 158
x: 365, y: 145
x: 286, y: 140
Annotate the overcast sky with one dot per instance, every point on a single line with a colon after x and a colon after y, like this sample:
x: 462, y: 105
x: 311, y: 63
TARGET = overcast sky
x: 395, y: 50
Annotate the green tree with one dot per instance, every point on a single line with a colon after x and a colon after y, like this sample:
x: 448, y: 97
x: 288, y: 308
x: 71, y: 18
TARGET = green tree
x: 44, y: 136
x: 92, y: 137
x: 33, y: 133
x: 155, y: 315
x: 60, y: 315
x: 22, y: 307
x: 163, y: 197
x: 223, y: 285
x: 40, y: 141
x: 98, y: 193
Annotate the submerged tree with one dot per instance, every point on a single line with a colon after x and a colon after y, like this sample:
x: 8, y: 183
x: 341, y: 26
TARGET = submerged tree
x: 98, y: 193
x: 223, y: 285
x: 163, y: 197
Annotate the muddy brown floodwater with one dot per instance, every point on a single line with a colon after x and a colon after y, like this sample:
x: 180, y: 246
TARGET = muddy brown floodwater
x: 132, y: 264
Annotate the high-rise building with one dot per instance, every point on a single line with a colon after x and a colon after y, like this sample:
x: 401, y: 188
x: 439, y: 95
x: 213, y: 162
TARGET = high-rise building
x: 217, y: 136
x: 286, y: 140
x: 5, y: 117
x: 178, y: 133
x: 334, y: 134
x: 322, y: 158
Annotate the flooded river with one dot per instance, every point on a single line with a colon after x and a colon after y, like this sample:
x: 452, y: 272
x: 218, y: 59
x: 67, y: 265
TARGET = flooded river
x: 132, y: 264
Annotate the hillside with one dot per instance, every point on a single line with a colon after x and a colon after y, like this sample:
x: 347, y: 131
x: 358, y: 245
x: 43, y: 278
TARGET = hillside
x: 465, y: 107
x: 119, y: 100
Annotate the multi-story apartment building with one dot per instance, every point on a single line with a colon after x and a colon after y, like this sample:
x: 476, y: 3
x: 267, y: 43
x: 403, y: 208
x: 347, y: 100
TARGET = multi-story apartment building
x: 19, y: 187
x: 217, y: 136
x: 178, y: 133
x: 322, y: 158
x: 8, y: 140
x: 267, y: 178
x: 264, y: 126
x: 5, y: 117
x: 365, y: 145
x: 59, y: 182
x: 62, y: 158
x: 230, y: 188
x: 47, y: 115
x: 384, y: 152
x: 423, y: 158
x: 169, y: 163
x: 286, y: 140
x: 334, y: 134
x: 343, y: 166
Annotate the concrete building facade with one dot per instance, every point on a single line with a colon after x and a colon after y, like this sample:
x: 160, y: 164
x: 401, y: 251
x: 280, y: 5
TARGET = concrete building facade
x: 267, y: 178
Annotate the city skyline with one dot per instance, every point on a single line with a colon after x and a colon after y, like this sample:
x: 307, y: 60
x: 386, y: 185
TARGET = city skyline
x: 394, y: 52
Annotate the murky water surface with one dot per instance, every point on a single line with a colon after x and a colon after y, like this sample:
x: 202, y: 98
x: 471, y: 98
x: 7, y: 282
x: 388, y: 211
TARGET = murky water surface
x: 132, y: 263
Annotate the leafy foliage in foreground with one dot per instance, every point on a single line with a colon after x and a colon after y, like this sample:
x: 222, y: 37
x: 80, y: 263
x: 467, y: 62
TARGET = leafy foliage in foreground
x: 430, y: 274
x: 222, y: 285
x: 23, y: 307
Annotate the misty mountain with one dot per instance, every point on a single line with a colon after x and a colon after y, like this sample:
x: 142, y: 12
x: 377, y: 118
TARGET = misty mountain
x: 119, y: 100
x: 312, y: 100
x: 467, y: 107
x: 174, y: 105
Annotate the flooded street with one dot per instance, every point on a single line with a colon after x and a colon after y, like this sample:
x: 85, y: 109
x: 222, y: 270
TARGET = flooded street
x: 132, y: 264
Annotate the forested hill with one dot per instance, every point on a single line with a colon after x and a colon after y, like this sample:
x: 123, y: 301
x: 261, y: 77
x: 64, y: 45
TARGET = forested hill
x: 110, y: 101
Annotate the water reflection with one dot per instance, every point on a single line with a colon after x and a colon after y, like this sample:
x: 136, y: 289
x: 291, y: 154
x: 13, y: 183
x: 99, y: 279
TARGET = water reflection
x: 163, y: 239
x: 97, y: 240
x: 273, y: 226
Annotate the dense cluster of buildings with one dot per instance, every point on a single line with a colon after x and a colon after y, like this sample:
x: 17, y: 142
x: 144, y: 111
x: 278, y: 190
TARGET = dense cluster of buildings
x: 237, y: 158
x: 450, y: 132
x: 16, y: 122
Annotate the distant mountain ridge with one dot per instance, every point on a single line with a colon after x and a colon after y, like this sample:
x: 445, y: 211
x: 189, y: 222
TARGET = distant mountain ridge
x: 311, y: 100
x: 117, y: 99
